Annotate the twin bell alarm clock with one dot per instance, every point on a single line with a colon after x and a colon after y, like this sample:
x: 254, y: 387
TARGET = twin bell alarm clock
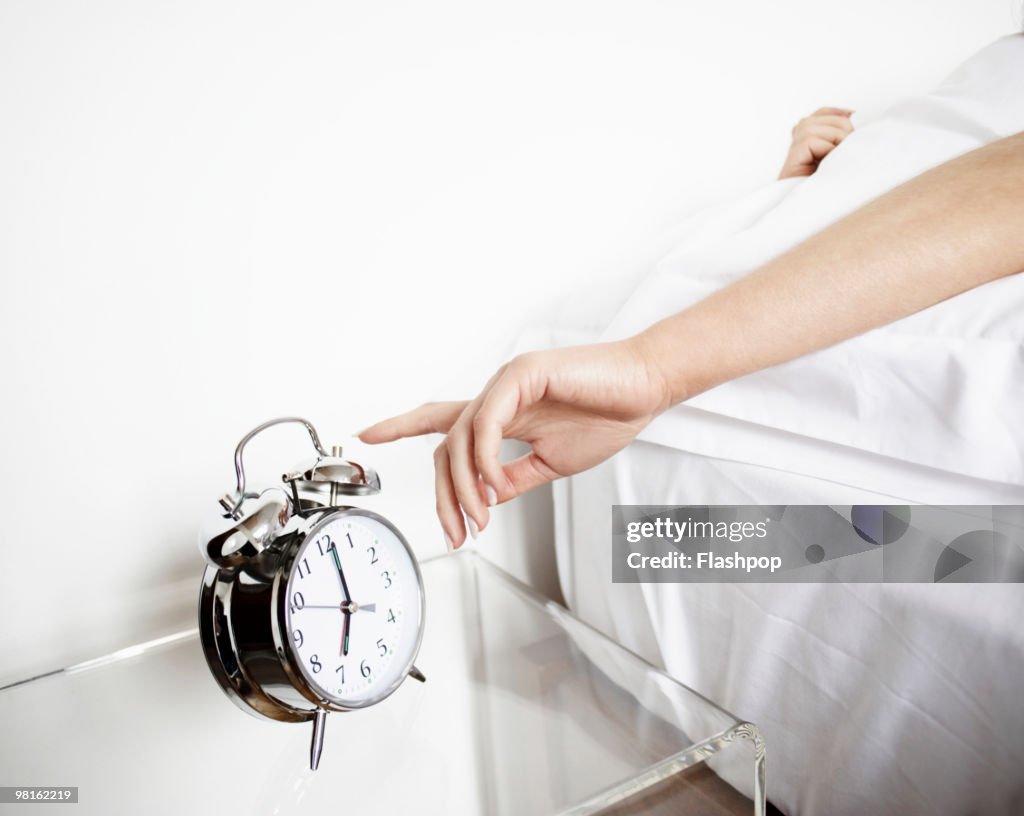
x: 308, y: 605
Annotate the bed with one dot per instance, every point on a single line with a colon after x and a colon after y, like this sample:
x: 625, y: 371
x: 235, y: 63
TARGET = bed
x: 896, y: 698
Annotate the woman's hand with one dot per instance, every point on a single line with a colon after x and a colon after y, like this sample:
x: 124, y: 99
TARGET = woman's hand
x: 814, y: 137
x: 952, y: 228
x: 575, y: 407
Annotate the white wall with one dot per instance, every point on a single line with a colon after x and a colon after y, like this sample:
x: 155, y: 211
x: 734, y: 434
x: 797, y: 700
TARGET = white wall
x: 212, y: 213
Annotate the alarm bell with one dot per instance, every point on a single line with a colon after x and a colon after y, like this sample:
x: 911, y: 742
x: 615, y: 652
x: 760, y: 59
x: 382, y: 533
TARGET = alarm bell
x: 244, y: 532
x: 250, y: 521
x: 321, y: 482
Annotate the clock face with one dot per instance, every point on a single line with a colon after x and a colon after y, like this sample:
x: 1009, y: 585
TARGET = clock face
x: 354, y: 608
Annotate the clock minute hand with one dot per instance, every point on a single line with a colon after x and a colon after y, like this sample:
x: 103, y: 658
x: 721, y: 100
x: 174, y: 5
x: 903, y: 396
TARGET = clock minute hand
x: 347, y: 623
x: 344, y: 632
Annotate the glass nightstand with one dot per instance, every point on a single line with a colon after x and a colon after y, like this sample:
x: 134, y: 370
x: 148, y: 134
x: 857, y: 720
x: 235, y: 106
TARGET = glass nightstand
x: 526, y: 710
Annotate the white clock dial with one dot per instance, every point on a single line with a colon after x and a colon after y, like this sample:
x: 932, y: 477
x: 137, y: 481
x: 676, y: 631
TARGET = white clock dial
x: 354, y: 608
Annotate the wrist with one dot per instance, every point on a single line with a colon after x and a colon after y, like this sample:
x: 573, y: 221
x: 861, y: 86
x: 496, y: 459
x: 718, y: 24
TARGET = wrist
x: 678, y: 358
x: 652, y: 361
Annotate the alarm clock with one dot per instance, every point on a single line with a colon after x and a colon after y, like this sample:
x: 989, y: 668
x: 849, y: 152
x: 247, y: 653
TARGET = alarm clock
x: 307, y: 605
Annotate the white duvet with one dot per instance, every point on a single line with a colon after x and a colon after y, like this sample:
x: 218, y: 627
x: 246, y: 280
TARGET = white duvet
x: 942, y: 388
x: 873, y: 699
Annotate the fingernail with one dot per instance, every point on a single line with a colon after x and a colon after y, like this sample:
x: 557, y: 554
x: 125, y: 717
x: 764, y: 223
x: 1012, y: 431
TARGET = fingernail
x: 492, y: 495
x: 473, y: 529
x: 448, y: 542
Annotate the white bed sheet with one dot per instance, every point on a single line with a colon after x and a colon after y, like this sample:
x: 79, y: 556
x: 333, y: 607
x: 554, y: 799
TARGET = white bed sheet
x: 873, y: 698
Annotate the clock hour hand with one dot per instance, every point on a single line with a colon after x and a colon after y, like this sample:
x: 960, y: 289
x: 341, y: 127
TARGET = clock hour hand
x: 344, y: 631
x: 341, y: 574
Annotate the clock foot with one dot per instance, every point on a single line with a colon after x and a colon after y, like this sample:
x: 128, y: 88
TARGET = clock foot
x: 416, y: 674
x: 317, y: 746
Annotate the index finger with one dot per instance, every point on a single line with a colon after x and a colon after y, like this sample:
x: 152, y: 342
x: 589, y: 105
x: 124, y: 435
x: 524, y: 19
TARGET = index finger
x: 432, y: 417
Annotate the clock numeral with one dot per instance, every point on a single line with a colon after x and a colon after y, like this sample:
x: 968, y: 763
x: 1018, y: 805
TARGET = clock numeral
x: 298, y: 601
x: 349, y: 537
x: 341, y: 669
x: 387, y: 579
x: 364, y: 670
x: 324, y: 544
x: 373, y: 555
x: 391, y: 616
x: 298, y: 637
x: 382, y: 646
x: 303, y: 573
x: 314, y: 661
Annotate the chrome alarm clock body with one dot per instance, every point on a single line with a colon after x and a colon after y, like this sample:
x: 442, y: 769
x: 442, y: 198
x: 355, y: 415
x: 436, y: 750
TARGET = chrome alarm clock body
x: 308, y: 606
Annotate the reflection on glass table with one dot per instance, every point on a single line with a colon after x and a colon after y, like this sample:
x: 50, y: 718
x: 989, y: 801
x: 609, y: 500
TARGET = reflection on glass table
x: 526, y: 710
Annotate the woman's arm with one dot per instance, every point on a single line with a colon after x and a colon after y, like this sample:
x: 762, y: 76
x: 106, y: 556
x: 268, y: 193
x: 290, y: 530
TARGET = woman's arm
x: 948, y: 230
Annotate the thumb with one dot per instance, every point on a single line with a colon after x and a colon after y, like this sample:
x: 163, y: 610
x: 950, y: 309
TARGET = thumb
x: 524, y: 474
